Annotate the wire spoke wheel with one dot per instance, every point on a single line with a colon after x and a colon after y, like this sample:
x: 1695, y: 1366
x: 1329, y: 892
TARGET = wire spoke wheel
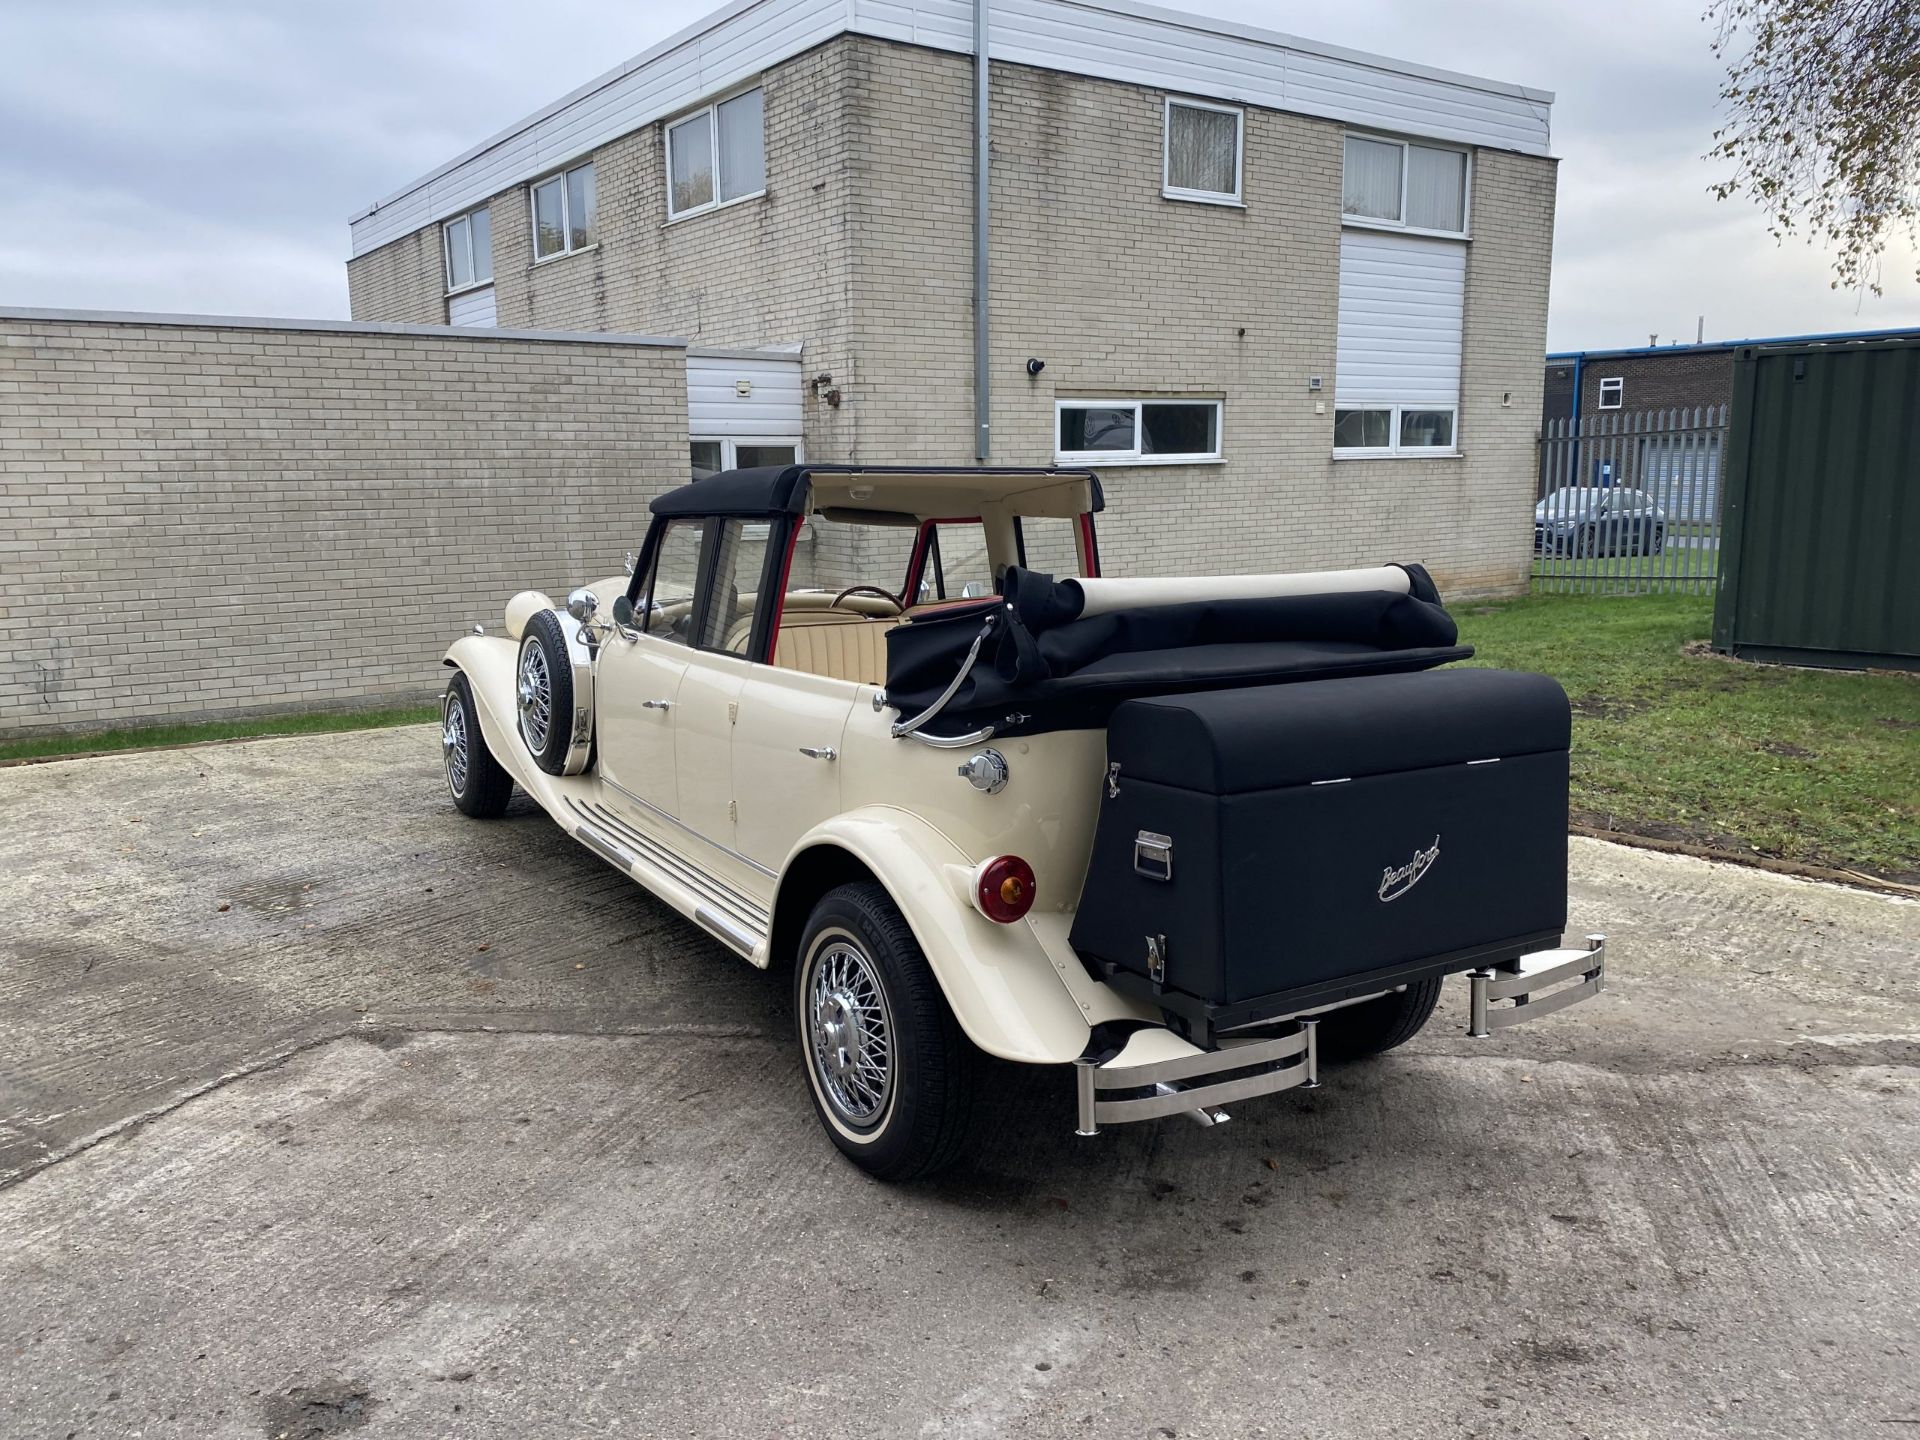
x: 849, y: 1032
x: 453, y: 743
x: 535, y: 697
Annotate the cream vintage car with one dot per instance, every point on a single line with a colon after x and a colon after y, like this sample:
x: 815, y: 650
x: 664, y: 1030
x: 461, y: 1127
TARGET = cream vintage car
x: 891, y: 729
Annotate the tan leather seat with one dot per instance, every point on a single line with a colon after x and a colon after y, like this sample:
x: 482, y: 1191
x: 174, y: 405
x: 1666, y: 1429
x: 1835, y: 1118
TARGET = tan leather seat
x: 837, y: 645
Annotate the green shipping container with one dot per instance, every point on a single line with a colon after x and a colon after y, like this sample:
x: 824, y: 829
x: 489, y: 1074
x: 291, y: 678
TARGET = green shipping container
x: 1820, y: 560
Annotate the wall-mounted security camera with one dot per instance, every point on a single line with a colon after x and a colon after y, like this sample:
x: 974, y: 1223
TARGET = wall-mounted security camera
x: 1034, y: 367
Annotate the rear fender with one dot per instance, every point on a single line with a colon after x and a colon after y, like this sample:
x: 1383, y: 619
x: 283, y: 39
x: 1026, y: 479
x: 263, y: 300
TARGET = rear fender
x: 1017, y: 990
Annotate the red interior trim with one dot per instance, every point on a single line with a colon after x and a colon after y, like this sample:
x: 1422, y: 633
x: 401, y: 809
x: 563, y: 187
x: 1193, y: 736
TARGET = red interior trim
x: 1089, y: 551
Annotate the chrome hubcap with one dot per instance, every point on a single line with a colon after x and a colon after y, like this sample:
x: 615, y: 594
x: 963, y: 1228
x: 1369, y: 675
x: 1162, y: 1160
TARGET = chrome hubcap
x: 850, y: 1033
x: 536, y: 697
x: 453, y: 742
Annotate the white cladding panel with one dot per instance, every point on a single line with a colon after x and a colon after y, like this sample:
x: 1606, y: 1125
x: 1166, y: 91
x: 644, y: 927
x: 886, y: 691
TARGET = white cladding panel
x: 1109, y: 39
x: 723, y: 50
x: 1401, y: 302
x: 472, y: 307
x: 1198, y: 55
x: 717, y: 410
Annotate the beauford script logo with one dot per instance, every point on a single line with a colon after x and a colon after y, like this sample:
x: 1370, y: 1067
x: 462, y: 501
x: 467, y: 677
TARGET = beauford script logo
x: 1395, y: 881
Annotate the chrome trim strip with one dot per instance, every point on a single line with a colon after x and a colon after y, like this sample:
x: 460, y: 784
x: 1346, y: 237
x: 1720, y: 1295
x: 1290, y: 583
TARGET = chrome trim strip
x: 681, y: 825
x: 603, y: 847
x: 726, y: 930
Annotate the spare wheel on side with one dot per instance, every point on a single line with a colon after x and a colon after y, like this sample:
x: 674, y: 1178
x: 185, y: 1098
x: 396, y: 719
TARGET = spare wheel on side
x: 553, y: 694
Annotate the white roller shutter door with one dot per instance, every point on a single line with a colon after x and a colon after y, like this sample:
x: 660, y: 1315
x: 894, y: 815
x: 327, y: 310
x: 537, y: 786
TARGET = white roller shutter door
x: 471, y: 307
x: 1401, y: 302
x: 769, y: 408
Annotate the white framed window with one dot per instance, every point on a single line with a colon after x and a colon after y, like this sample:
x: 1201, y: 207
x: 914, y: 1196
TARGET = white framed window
x: 1202, y: 149
x: 1404, y: 185
x: 1395, y: 430
x: 466, y: 242
x: 717, y: 155
x: 1613, y: 392
x: 1137, y: 432
x: 712, y: 455
x: 563, y: 212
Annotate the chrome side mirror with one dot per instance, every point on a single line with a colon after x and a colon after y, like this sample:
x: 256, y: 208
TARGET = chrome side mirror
x: 624, y: 619
x: 582, y: 605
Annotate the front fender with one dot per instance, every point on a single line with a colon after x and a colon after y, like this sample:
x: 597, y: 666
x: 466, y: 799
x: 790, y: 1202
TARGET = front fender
x: 488, y: 662
x: 1017, y: 990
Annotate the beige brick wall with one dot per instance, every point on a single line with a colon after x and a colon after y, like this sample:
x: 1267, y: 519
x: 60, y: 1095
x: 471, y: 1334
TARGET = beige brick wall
x: 862, y: 249
x: 769, y: 270
x: 403, y: 283
x: 201, y: 520
x: 1123, y: 292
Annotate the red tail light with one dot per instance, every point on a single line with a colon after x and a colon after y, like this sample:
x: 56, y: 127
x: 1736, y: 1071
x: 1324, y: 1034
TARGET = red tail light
x: 1005, y: 889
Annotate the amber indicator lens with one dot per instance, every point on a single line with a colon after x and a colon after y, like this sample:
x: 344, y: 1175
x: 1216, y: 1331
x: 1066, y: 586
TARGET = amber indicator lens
x: 1006, y: 888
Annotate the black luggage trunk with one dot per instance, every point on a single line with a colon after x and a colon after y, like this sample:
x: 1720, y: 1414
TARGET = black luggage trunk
x: 1261, y: 851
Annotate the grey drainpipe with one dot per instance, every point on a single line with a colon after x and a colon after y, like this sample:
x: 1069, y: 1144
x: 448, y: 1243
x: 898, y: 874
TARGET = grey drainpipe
x: 982, y: 391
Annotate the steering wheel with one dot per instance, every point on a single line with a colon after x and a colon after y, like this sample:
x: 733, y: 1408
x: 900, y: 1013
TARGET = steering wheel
x: 886, y: 595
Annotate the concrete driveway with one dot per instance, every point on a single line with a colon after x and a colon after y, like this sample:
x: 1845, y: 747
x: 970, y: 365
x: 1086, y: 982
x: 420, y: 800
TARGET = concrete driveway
x: 323, y: 1108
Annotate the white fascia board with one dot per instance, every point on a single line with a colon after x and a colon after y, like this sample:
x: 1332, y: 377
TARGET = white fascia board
x: 733, y: 45
x: 1121, y: 40
x: 1146, y: 45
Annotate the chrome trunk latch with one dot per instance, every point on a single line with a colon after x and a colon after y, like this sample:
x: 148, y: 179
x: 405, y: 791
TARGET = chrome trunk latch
x: 1153, y: 855
x: 1157, y: 959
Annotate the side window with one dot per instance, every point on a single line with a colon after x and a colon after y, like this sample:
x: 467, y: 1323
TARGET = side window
x: 956, y: 565
x: 740, y: 555
x: 673, y: 582
x: 1051, y: 546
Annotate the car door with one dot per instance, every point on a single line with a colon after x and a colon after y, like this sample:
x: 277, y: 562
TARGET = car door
x: 637, y: 681
x: 709, y: 700
x: 787, y: 745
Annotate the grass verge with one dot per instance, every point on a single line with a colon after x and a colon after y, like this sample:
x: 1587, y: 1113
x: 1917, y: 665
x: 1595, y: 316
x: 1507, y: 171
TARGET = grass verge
x: 1817, y: 767
x: 53, y: 747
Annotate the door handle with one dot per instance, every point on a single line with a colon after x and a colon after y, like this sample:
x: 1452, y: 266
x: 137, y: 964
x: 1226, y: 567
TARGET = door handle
x: 656, y: 704
x: 820, y: 752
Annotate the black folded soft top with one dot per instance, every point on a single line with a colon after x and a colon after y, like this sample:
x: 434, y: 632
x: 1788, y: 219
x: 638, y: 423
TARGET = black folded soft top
x: 1044, y: 667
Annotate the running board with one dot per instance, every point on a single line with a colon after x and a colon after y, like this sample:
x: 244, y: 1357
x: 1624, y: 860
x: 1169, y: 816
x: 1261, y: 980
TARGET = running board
x: 737, y: 932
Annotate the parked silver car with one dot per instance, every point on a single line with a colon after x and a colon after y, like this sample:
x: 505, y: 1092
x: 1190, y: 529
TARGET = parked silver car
x: 1599, y: 520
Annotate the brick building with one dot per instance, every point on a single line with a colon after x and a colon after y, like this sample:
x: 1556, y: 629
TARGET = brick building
x: 1659, y: 377
x: 1248, y: 277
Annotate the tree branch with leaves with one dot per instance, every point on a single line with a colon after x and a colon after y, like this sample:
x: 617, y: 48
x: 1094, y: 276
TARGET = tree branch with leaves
x: 1823, y: 122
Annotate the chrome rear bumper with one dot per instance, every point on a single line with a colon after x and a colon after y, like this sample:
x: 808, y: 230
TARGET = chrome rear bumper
x: 1156, y: 1074
x: 1523, y: 980
x: 1195, y: 1084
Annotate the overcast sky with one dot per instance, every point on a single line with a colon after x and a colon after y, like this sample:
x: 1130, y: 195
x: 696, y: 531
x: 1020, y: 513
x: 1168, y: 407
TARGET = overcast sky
x: 203, y: 155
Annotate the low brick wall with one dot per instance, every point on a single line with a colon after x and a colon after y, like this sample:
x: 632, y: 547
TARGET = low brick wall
x: 202, y: 518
